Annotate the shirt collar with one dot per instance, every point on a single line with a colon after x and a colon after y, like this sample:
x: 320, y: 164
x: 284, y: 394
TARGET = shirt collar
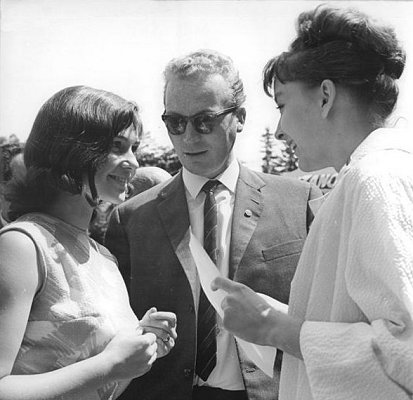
x: 379, y: 139
x: 316, y: 203
x: 228, y: 178
x: 383, y: 139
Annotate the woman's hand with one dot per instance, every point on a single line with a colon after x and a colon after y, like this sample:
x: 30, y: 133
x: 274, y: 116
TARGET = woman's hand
x: 131, y: 354
x: 163, y: 325
x: 248, y: 316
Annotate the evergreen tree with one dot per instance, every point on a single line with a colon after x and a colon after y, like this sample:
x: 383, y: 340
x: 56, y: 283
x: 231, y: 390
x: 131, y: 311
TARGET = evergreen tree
x: 278, y: 156
x: 268, y: 159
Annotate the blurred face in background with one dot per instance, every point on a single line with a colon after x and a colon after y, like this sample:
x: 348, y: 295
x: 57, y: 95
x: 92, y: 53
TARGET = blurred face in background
x: 17, y: 170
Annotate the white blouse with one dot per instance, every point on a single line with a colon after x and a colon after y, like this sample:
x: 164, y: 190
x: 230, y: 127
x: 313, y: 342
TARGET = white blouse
x: 354, y: 282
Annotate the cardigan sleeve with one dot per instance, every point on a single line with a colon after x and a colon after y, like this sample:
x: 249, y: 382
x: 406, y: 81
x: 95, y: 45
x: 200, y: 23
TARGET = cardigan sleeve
x: 372, y: 359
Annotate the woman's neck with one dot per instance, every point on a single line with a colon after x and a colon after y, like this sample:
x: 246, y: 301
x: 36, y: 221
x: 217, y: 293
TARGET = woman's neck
x: 348, y: 137
x: 73, y: 209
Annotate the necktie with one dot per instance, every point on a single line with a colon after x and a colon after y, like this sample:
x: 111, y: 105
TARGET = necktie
x: 206, y: 337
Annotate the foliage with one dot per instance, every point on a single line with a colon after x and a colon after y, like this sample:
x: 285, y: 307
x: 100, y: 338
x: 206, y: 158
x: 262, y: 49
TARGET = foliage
x: 152, y: 154
x: 164, y: 158
x: 278, y: 157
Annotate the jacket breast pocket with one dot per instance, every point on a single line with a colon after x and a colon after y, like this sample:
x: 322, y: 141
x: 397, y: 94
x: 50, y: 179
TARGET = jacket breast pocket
x: 283, y: 250
x: 280, y: 263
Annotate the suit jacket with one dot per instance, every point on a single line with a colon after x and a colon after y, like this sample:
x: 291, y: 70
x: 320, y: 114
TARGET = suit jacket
x: 149, y: 235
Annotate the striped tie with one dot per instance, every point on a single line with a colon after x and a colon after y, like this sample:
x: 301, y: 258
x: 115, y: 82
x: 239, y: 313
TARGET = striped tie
x: 206, y: 340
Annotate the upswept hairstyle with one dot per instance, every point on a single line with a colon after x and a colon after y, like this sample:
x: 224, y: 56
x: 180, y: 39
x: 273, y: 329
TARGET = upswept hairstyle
x: 70, y: 138
x: 350, y: 49
x: 203, y: 63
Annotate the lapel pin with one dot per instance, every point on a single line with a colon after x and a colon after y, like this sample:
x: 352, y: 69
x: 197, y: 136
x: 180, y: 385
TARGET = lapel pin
x: 247, y: 213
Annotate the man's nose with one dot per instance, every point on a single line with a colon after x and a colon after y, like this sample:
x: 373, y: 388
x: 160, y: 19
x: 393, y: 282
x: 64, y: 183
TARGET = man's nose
x: 279, y: 134
x: 190, y: 134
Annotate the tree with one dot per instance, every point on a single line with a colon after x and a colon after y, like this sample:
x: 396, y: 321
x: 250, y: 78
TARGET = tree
x: 151, y: 154
x: 288, y: 161
x: 163, y: 157
x: 278, y: 157
x: 268, y: 140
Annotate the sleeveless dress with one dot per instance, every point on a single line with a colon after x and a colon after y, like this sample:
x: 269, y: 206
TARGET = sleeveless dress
x: 82, y: 301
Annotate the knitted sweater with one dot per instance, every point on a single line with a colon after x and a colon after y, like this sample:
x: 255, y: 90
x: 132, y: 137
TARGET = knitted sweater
x: 354, y: 282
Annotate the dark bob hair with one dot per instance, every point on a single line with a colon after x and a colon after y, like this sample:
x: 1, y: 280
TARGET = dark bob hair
x: 70, y: 138
x: 350, y: 49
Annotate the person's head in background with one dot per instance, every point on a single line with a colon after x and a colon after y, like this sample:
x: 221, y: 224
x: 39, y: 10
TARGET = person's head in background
x: 203, y: 100
x: 335, y: 85
x: 81, y: 146
x: 145, y: 178
x: 8, y: 153
x: 17, y: 166
x: 12, y: 166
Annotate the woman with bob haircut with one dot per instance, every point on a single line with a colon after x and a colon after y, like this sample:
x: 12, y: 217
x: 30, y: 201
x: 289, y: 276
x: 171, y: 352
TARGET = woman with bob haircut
x: 67, y: 330
x: 348, y: 333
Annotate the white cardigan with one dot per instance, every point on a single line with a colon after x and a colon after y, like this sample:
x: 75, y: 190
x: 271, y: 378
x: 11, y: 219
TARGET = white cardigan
x: 354, y: 282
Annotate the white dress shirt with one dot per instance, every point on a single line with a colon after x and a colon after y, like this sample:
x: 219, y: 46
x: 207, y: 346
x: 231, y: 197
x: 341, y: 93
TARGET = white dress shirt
x: 227, y: 372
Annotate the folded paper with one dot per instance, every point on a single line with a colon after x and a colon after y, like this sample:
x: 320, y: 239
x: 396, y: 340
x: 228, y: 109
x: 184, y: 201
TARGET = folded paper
x: 262, y: 356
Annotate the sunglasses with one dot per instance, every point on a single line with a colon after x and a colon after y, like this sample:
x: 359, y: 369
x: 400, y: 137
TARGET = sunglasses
x: 203, y: 122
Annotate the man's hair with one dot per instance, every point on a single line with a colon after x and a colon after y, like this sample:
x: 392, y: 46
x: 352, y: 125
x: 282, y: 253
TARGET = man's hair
x: 204, y: 63
x: 71, y: 137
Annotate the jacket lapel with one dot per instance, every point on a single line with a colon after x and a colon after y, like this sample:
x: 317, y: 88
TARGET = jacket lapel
x: 173, y: 212
x: 249, y: 203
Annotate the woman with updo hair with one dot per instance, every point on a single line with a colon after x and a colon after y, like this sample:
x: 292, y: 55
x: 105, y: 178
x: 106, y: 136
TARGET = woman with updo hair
x: 348, y: 332
x: 66, y: 327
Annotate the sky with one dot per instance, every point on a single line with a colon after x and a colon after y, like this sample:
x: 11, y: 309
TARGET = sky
x: 123, y: 46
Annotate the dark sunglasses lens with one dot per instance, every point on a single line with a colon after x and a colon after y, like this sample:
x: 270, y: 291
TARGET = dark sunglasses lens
x: 204, y: 123
x: 175, y: 125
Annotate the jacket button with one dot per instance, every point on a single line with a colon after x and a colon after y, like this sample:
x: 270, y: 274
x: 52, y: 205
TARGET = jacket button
x: 191, y: 309
x: 248, y: 213
x: 187, y: 373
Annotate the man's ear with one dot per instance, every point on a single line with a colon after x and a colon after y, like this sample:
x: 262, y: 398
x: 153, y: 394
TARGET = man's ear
x: 241, y: 114
x: 328, y: 95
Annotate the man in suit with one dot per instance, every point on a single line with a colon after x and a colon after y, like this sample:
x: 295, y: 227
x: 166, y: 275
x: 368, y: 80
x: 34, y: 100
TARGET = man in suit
x: 260, y: 225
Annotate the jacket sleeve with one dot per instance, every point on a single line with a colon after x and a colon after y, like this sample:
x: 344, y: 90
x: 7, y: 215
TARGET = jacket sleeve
x: 371, y: 359
x: 117, y: 242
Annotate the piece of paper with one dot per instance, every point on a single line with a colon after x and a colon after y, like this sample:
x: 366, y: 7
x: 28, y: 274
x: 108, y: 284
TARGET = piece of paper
x: 262, y: 356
